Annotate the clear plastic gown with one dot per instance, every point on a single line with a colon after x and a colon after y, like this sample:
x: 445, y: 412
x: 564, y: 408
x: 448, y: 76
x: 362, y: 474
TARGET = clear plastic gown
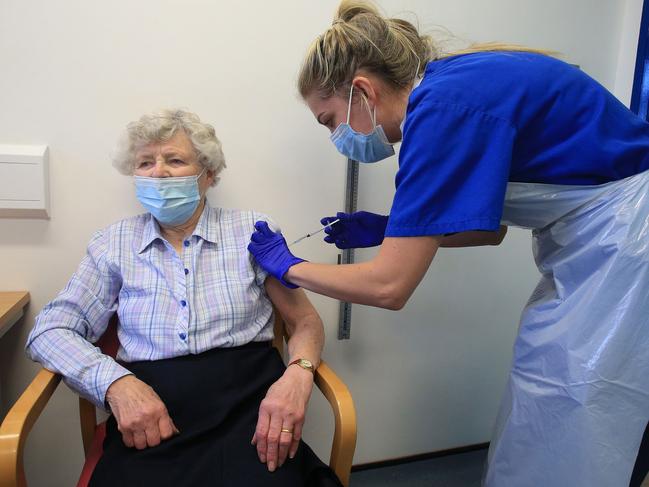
x: 577, y: 399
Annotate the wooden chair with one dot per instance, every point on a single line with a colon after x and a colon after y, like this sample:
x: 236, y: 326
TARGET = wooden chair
x: 22, y: 416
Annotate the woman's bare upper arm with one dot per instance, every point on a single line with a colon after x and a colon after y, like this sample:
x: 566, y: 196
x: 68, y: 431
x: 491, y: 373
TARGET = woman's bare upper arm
x: 292, y: 304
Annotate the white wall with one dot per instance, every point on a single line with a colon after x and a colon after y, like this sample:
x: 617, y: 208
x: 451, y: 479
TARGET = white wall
x: 75, y: 72
x: 628, y: 50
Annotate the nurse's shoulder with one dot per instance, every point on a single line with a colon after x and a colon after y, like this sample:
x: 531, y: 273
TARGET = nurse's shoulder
x: 503, y: 84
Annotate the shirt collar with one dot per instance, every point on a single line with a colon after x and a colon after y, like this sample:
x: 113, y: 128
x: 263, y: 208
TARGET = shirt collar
x: 151, y: 233
x: 205, y: 228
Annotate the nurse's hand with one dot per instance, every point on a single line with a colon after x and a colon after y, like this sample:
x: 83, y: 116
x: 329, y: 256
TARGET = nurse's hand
x: 355, y: 230
x: 271, y: 252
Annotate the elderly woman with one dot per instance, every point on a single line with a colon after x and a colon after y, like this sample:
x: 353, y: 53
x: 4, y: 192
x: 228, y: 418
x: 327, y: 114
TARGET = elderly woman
x: 196, y: 380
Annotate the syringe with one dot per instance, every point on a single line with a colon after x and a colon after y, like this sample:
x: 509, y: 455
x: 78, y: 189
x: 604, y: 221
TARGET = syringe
x: 313, y: 233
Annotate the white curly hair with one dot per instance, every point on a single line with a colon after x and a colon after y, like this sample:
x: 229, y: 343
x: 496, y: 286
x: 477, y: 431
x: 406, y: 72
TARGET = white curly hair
x: 162, y: 126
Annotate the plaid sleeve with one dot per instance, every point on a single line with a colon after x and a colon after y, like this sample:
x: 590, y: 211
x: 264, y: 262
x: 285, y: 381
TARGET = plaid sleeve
x: 65, y: 329
x: 260, y: 273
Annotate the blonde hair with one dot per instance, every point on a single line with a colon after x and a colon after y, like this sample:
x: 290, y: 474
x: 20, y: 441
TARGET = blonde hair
x: 498, y: 47
x: 163, y: 125
x: 362, y: 38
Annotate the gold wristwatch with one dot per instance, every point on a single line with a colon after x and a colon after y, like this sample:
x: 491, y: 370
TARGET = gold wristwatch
x: 304, y: 363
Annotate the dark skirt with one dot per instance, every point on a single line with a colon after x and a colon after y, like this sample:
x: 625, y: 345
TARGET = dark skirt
x: 213, y: 398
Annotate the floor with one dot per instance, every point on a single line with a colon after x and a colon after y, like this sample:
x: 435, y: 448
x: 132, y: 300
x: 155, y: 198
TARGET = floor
x: 462, y: 469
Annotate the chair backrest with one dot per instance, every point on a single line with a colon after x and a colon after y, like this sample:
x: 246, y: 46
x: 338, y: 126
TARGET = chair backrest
x: 109, y: 344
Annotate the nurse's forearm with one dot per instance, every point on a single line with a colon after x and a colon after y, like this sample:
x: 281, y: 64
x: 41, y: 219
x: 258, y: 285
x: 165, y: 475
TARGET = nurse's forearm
x: 387, y: 281
x: 356, y: 283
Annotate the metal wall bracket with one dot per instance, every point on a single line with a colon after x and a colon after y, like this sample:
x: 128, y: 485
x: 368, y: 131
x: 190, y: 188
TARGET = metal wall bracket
x: 347, y: 256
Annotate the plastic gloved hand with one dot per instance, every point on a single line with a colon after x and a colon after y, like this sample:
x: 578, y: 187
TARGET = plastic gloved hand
x: 271, y: 252
x: 355, y: 230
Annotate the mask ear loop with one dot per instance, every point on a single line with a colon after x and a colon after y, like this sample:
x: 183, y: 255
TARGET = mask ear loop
x: 373, y: 115
x: 371, y: 110
x: 349, y: 105
x: 418, y: 66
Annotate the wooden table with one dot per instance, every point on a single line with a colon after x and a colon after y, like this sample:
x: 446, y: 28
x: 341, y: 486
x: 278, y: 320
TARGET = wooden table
x: 12, y: 305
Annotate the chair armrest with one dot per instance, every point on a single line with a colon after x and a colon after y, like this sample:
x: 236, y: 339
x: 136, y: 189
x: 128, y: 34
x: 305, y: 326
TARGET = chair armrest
x: 18, y: 423
x: 344, y: 442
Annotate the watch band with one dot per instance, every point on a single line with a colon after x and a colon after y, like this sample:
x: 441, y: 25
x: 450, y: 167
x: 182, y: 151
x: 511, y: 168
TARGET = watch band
x: 304, y: 363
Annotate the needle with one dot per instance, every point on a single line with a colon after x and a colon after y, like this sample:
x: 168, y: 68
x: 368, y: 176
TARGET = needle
x: 313, y: 233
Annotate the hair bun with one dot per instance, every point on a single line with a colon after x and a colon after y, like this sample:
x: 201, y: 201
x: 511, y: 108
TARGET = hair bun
x: 348, y: 9
x: 361, y: 37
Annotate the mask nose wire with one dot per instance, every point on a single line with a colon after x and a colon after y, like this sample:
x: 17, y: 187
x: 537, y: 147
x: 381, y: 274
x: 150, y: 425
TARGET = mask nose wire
x: 197, y: 176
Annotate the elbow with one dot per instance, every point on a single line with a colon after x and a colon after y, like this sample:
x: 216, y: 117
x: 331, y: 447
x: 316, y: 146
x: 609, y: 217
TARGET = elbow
x: 392, y: 297
x: 31, y: 349
x: 500, y: 235
x: 396, y: 304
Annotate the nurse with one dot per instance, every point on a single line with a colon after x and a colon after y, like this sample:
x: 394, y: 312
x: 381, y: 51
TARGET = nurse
x: 492, y: 136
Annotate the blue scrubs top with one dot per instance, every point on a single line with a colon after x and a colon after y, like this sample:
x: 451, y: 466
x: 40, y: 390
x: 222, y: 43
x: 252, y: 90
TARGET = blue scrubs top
x: 478, y: 121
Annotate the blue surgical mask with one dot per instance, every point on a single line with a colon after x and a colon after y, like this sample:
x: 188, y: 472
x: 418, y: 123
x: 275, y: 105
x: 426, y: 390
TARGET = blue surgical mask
x: 172, y: 201
x: 372, y: 147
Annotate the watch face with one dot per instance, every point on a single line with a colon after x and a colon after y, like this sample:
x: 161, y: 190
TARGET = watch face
x: 304, y: 363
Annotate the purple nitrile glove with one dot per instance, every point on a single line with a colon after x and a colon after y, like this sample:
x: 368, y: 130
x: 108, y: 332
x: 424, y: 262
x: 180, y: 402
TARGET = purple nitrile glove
x: 271, y: 252
x: 355, y: 230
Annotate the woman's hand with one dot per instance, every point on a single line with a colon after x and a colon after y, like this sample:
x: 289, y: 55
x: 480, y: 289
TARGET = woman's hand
x: 141, y: 416
x: 283, y: 408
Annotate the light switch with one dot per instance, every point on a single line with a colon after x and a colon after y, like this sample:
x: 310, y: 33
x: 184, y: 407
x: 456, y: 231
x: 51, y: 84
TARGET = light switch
x: 24, y: 181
